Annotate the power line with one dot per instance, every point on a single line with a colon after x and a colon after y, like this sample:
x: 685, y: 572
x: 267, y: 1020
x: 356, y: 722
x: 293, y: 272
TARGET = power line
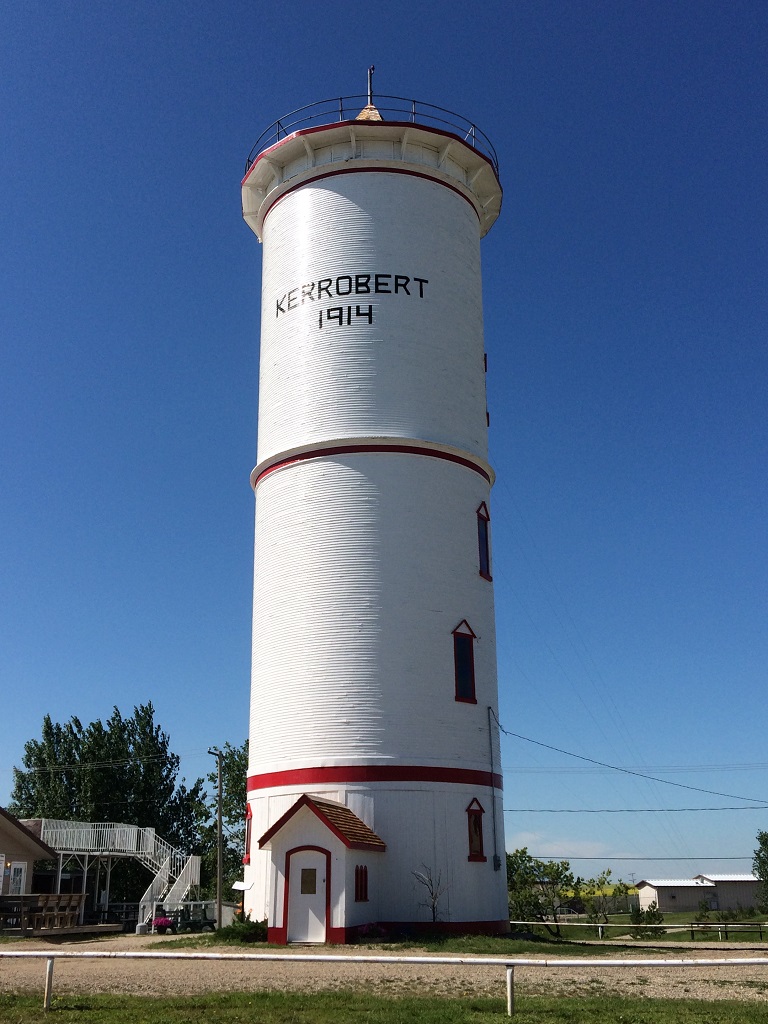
x: 623, y: 810
x: 669, y: 768
x: 87, y: 765
x: 565, y: 856
x: 625, y: 771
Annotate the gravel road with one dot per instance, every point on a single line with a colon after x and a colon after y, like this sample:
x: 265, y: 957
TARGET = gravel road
x: 179, y: 977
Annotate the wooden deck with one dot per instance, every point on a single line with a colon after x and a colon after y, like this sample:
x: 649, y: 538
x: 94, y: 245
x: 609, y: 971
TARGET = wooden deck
x: 42, y: 914
x: 93, y: 930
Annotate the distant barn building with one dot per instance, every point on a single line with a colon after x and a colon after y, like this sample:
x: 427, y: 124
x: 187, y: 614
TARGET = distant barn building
x: 685, y: 895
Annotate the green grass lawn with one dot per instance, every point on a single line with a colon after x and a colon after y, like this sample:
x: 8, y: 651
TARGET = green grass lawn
x: 343, y: 1008
x: 452, y: 945
x: 572, y: 944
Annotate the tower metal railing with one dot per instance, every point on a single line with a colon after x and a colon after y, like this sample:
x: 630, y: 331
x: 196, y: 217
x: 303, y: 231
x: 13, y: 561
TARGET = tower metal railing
x: 391, y: 108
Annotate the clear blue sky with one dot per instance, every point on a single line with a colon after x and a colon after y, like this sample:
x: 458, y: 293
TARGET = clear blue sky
x: 625, y: 304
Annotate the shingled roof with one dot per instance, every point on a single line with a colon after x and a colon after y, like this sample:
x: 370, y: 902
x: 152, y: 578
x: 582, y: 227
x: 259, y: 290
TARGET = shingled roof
x: 29, y: 838
x: 344, y: 824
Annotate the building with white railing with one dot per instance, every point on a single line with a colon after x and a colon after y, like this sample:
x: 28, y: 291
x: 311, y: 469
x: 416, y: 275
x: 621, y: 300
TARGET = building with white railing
x: 95, y: 846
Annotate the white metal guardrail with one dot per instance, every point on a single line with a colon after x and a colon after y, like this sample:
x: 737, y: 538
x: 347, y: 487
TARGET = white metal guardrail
x: 508, y: 964
x: 391, y: 108
x: 655, y: 932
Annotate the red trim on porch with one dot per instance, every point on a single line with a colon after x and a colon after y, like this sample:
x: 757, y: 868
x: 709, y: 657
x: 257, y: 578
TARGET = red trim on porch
x: 283, y: 931
x: 325, y: 811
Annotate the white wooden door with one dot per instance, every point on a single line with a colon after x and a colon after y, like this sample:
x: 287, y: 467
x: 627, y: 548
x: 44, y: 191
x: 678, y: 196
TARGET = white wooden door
x: 18, y: 877
x: 307, y: 896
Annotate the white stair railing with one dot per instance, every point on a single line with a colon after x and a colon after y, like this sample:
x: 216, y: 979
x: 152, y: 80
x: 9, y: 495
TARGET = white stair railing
x: 112, y: 837
x: 175, y: 872
x: 189, y: 877
x: 154, y: 894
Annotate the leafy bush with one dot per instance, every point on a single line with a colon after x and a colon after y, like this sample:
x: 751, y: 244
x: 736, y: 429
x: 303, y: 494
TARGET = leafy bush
x: 739, y: 914
x: 243, y: 931
x: 645, y: 923
x: 703, y: 916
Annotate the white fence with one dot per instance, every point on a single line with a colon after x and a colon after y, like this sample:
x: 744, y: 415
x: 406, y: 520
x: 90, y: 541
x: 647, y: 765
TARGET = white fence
x: 508, y: 964
x: 657, y: 931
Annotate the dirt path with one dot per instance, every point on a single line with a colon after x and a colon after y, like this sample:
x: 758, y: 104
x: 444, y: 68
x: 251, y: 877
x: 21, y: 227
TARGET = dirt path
x: 186, y: 977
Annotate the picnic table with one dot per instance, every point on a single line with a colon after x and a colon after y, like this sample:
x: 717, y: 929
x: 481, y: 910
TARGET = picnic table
x: 33, y: 912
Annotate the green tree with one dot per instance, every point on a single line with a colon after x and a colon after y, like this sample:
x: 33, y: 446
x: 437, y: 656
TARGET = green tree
x: 121, y: 771
x: 537, y: 889
x: 602, y: 896
x: 234, y: 771
x: 51, y: 787
x: 646, y: 924
x: 760, y: 871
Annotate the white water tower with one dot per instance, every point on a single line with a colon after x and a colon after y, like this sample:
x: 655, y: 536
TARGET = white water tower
x: 374, y: 782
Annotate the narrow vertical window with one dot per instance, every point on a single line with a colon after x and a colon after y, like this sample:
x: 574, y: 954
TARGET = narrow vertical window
x: 483, y: 541
x: 475, y: 814
x: 361, y: 883
x: 464, y: 662
x: 248, y: 820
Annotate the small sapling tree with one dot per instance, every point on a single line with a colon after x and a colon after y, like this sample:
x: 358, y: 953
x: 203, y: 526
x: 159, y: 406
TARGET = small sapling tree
x: 760, y: 871
x: 646, y: 924
x: 434, y: 889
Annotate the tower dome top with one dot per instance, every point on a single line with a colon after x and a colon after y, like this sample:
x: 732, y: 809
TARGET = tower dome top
x: 390, y: 109
x: 352, y: 134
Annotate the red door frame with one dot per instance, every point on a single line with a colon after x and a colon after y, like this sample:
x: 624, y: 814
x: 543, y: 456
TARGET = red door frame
x: 280, y: 934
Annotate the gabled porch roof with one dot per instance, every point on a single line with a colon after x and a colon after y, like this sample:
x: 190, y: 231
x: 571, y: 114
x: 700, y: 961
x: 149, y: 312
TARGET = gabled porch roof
x: 338, y: 818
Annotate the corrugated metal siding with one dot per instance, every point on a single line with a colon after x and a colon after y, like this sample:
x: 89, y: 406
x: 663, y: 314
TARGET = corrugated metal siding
x: 733, y: 894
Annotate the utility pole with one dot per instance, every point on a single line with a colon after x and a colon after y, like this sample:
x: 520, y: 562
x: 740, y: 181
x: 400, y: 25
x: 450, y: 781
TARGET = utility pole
x: 215, y: 752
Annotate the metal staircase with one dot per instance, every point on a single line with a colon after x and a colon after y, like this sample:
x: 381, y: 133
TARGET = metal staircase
x: 175, y: 872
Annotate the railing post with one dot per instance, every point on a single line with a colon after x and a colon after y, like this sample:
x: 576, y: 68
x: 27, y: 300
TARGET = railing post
x: 48, y: 983
x: 510, y: 991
